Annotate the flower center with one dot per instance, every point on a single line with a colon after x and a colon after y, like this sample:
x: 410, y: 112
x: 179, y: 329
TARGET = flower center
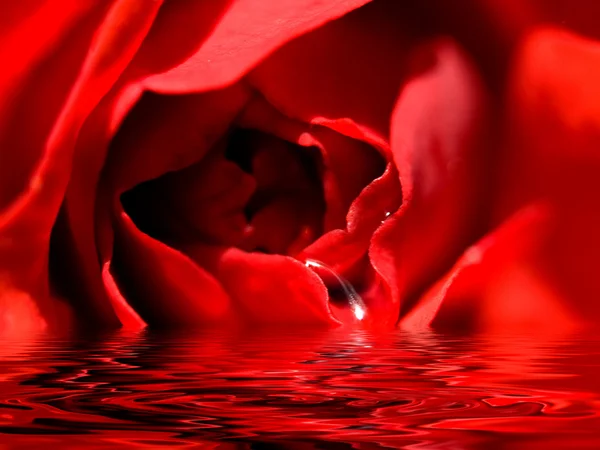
x: 286, y: 211
x: 252, y: 191
x: 261, y: 183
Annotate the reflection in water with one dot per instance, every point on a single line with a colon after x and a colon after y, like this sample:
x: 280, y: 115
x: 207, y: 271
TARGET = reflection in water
x: 331, y: 389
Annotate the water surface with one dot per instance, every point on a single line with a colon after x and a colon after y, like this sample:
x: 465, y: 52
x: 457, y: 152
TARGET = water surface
x: 309, y: 389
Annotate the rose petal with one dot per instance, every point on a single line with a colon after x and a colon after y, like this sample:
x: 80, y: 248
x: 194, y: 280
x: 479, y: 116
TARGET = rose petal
x: 168, y: 133
x: 100, y: 70
x: 342, y: 248
x: 73, y: 244
x: 552, y: 155
x: 288, y: 205
x: 268, y: 289
x: 494, y: 287
x: 25, y: 227
x: 128, y: 317
x: 197, y: 46
x: 35, y: 70
x: 177, y: 160
x: 346, y: 149
x: 350, y: 68
x: 436, y: 143
x: 163, y: 167
x: 149, y: 272
x: 77, y: 249
x: 188, y: 126
x: 204, y: 201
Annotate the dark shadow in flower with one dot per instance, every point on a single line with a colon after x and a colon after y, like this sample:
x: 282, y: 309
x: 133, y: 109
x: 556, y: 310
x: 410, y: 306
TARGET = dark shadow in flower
x: 252, y: 191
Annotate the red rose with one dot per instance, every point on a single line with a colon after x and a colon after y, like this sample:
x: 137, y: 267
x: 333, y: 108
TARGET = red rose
x: 208, y: 163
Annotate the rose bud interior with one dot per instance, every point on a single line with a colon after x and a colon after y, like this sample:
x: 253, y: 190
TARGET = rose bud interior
x: 260, y: 188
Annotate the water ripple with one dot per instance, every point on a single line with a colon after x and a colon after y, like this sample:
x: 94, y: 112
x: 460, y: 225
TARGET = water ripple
x: 394, y: 391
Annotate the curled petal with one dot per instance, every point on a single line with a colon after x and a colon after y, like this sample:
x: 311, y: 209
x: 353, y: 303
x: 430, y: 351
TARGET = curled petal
x: 149, y: 272
x: 198, y: 46
x: 268, y: 289
x: 437, y: 131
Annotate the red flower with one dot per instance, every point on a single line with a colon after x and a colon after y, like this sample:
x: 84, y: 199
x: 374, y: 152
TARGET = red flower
x: 188, y: 163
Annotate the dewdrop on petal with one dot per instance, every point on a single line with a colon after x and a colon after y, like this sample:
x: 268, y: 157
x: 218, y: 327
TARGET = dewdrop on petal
x: 355, y: 301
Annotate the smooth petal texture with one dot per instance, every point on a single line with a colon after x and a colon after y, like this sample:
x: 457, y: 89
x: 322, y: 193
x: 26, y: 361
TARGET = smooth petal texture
x: 275, y: 289
x: 351, y: 68
x: 210, y: 44
x: 163, y: 285
x: 268, y: 289
x: 26, y: 224
x: 36, y: 72
x: 98, y: 73
x: 437, y: 131
x: 495, y: 286
x: 551, y: 154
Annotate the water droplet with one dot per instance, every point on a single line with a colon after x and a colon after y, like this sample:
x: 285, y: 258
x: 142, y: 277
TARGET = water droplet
x: 355, y: 301
x: 387, y: 214
x: 359, y: 312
